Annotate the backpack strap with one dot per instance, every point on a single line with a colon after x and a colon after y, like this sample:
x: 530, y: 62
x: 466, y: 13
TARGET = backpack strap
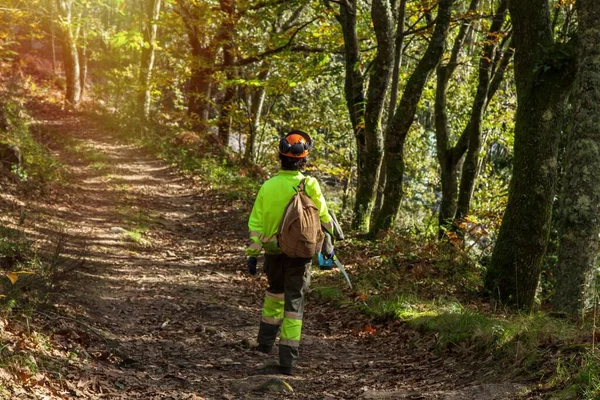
x: 301, y: 185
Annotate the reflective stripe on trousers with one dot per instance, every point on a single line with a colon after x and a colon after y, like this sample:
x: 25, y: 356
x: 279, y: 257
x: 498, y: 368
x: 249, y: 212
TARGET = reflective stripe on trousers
x: 290, y: 277
x: 273, y: 308
x: 291, y: 329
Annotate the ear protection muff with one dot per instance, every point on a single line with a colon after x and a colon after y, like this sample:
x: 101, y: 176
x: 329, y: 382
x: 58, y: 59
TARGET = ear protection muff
x: 295, y: 144
x: 295, y: 149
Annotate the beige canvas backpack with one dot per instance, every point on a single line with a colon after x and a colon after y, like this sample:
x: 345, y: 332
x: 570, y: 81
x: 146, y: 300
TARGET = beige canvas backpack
x: 300, y: 234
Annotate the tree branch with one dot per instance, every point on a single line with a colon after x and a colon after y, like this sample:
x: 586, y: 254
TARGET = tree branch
x: 264, y: 54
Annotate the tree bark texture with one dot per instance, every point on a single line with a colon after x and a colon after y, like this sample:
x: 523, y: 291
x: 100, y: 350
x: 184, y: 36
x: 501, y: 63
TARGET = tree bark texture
x: 580, y: 197
x: 70, y: 53
x: 397, y: 130
x: 151, y: 15
x: 200, y: 89
x: 228, y: 27
x: 449, y: 157
x: 489, y: 81
x: 487, y: 71
x: 366, y: 112
x: 82, y: 53
x: 257, y: 101
x: 398, y: 56
x: 201, y: 79
x: 543, y: 73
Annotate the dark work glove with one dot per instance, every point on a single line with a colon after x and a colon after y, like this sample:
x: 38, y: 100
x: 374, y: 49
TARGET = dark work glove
x: 251, y: 263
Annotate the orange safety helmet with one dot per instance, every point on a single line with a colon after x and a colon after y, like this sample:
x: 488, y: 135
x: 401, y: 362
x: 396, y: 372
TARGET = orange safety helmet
x: 296, y: 144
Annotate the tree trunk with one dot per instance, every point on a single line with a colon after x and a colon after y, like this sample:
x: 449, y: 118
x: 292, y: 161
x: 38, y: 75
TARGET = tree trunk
x: 450, y: 174
x: 398, y: 55
x: 354, y: 82
x: 203, y: 61
x: 397, y: 131
x: 380, y: 76
x: 543, y: 75
x: 225, y: 115
x: 472, y: 162
x: 72, y: 69
x: 70, y: 53
x: 580, y: 196
x: 257, y: 102
x: 366, y: 112
x: 199, y: 94
x: 450, y: 158
x: 227, y: 6
x: 82, y: 52
x: 482, y: 98
x: 150, y: 30
x: 52, y: 36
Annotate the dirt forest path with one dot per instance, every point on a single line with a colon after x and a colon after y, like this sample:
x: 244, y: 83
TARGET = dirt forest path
x: 160, y: 309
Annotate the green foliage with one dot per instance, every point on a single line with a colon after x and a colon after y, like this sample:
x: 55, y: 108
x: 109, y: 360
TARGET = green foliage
x: 136, y: 235
x: 38, y: 166
x: 577, y: 377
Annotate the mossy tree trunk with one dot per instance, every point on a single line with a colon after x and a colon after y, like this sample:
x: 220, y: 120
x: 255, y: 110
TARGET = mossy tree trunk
x: 366, y: 110
x: 544, y: 72
x: 580, y: 195
x: 449, y: 157
x: 491, y: 74
x: 397, y: 130
x: 492, y: 67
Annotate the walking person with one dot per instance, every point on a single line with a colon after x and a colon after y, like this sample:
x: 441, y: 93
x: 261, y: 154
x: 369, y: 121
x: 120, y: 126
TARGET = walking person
x: 288, y: 275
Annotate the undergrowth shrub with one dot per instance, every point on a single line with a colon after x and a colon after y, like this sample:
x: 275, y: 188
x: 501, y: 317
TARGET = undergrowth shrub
x: 38, y: 166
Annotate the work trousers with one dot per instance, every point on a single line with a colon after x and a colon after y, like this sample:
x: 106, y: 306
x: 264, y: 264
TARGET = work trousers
x: 283, y: 308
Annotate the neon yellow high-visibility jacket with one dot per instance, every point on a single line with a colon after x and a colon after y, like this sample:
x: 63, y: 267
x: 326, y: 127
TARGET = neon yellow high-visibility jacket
x: 267, y: 213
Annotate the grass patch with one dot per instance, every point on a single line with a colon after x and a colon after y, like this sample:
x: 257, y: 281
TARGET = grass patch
x: 136, y: 235
x: 99, y: 166
x: 327, y: 294
x: 138, y: 222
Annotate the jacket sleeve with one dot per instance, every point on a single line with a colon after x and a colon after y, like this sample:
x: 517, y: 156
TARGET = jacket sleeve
x: 255, y: 225
x: 313, y: 189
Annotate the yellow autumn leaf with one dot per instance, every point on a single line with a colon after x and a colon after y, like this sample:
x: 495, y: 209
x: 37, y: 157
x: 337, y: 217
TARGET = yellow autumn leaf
x: 13, y: 277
